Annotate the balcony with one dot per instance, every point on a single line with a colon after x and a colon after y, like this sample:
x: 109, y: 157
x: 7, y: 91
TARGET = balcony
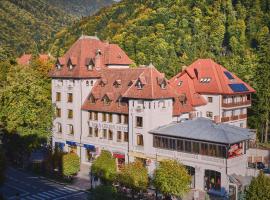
x: 243, y: 116
x: 225, y: 119
x: 236, y: 104
x: 233, y: 118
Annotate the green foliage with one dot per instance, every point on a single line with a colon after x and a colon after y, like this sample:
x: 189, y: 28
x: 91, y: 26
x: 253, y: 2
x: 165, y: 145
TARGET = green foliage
x: 80, y: 7
x: 2, y: 166
x: 27, y: 25
x: 171, y: 178
x: 259, y: 188
x: 134, y: 176
x: 105, y: 192
x: 71, y: 164
x: 25, y: 102
x: 104, y: 167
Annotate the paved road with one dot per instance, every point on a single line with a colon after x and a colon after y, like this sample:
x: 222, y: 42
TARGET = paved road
x: 31, y: 187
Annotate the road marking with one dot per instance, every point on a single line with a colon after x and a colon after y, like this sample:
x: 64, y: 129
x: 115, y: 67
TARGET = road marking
x: 16, y: 188
x: 69, y: 196
x: 71, y: 189
x: 61, y: 192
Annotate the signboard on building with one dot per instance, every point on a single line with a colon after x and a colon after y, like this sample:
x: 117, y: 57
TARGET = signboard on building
x: 109, y: 126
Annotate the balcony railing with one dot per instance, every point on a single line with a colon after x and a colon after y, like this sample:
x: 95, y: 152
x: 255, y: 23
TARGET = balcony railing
x: 235, y: 104
x: 242, y: 116
x: 232, y: 118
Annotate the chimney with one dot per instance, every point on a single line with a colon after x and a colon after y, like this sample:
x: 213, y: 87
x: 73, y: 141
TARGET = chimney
x: 98, y: 59
x: 184, y: 67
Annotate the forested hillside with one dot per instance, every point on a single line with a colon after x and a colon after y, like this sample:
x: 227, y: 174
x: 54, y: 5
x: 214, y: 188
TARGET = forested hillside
x: 80, y: 7
x: 173, y: 33
x: 26, y: 25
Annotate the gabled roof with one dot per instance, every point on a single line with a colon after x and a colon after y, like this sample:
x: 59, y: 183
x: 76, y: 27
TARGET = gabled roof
x: 204, y: 129
x: 87, y: 49
x: 129, y: 90
x: 184, y: 85
x: 211, y: 78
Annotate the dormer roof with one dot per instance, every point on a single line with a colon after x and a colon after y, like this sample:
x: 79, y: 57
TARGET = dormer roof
x: 83, y: 51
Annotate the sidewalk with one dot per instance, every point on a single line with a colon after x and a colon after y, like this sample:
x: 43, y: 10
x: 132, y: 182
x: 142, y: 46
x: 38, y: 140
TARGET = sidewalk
x: 82, y: 180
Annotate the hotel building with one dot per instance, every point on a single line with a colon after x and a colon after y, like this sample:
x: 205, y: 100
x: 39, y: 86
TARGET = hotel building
x: 136, y: 113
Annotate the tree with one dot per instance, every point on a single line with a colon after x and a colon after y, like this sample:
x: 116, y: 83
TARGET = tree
x: 134, y: 176
x: 25, y: 102
x: 71, y: 164
x: 105, y: 192
x: 259, y: 188
x: 171, y: 178
x: 262, y: 78
x: 104, y: 167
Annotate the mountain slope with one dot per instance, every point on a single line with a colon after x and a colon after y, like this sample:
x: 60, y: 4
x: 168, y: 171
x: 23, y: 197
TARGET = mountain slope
x: 26, y: 25
x: 80, y: 7
x: 171, y: 33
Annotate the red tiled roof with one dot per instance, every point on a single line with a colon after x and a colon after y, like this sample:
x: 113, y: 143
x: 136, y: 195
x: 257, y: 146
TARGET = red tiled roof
x: 217, y: 82
x: 86, y: 49
x: 129, y: 90
x: 25, y: 59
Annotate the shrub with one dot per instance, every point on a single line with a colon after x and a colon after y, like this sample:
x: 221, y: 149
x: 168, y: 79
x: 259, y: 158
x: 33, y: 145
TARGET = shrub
x: 71, y: 164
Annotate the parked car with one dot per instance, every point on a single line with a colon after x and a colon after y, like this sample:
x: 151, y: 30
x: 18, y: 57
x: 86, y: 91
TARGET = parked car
x: 260, y: 165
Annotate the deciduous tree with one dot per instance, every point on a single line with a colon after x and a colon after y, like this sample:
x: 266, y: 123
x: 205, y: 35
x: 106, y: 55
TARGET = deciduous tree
x: 171, y: 178
x: 71, y: 164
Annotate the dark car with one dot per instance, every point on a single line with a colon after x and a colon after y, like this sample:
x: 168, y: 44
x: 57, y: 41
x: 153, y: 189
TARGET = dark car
x: 260, y: 165
x: 266, y: 171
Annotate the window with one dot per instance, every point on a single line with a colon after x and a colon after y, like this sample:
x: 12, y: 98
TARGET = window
x: 70, y: 114
x: 95, y: 116
x: 90, y: 66
x: 87, y: 83
x: 58, y: 96
x: 195, y: 147
x: 96, y: 132
x: 70, y: 97
x: 110, y: 135
x: 91, y: 83
x: 139, y: 121
x: 90, y: 132
x: 58, y: 112
x: 104, y: 117
x: 92, y: 99
x: 209, y: 114
x: 140, y: 140
x: 125, y: 119
x: 139, y: 85
x: 110, y: 117
x: 119, y: 119
x: 104, y: 133
x: 59, y: 128
x: 187, y: 146
x: 163, y: 85
x: 90, y: 115
x: 180, y: 83
x: 233, y: 112
x: 106, y: 100
x: 126, y: 136
x: 180, y: 145
x: 212, y: 180
x: 191, y: 172
x: 210, y: 99
x: 204, y: 149
x: 70, y: 129
x: 119, y: 136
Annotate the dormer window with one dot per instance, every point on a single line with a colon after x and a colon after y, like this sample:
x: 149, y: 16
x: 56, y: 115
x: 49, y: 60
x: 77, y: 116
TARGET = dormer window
x: 103, y: 82
x: 70, y: 66
x: 92, y: 99
x: 58, y: 66
x: 139, y: 85
x: 117, y: 83
x: 90, y: 65
x: 180, y: 83
x: 106, y: 100
x: 205, y: 80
